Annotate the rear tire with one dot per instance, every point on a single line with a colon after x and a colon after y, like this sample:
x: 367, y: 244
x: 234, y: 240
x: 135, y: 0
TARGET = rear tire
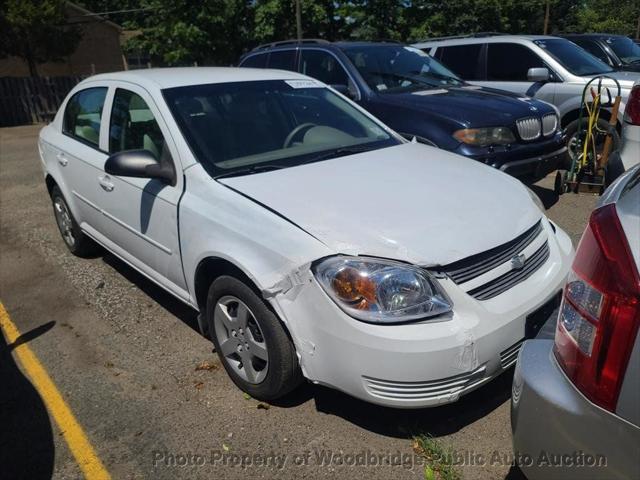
x: 251, y: 342
x: 74, y: 238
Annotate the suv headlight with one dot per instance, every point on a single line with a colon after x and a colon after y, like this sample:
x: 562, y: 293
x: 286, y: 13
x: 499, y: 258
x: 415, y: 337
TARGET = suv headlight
x: 483, y: 137
x: 381, y: 291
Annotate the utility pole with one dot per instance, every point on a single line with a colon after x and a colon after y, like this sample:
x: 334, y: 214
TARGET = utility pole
x: 546, y: 18
x: 298, y: 20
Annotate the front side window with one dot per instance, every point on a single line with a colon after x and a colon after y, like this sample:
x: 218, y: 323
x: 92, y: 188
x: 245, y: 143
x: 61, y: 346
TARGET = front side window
x: 572, y: 57
x: 240, y: 128
x: 394, y: 69
x: 283, y: 60
x: 510, y: 62
x: 82, y: 115
x: 133, y: 126
x: 323, y: 66
x: 462, y: 59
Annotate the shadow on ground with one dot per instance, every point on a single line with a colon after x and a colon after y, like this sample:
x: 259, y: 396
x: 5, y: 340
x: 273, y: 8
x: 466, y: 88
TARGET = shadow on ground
x: 26, y: 437
x: 548, y: 197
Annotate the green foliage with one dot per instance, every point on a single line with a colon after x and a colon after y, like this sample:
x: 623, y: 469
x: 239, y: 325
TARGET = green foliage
x: 36, y: 31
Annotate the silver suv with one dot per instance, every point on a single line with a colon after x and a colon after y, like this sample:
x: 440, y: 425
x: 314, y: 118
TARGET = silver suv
x: 548, y: 68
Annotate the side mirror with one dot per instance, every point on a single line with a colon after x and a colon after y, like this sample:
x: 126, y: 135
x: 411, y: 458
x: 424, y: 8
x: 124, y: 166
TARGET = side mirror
x: 139, y: 164
x: 539, y: 74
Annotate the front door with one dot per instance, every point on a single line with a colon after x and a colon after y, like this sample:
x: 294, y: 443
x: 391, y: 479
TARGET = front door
x: 140, y: 215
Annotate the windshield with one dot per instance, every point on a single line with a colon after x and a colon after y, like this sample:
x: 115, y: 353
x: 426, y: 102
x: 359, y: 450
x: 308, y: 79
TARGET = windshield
x: 572, y: 57
x: 394, y: 68
x: 241, y: 128
x: 625, y: 49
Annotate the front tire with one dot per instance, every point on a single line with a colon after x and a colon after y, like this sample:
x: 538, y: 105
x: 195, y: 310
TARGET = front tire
x: 251, y: 342
x: 74, y: 238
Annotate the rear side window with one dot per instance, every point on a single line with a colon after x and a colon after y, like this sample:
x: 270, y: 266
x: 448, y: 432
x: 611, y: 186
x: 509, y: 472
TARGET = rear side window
x: 510, y: 62
x: 283, y: 60
x: 324, y: 67
x: 462, y: 60
x: 256, y: 61
x: 82, y: 115
x: 133, y: 126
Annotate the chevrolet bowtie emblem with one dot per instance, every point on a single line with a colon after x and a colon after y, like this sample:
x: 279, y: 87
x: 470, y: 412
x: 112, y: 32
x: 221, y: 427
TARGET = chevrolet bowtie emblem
x: 517, y: 262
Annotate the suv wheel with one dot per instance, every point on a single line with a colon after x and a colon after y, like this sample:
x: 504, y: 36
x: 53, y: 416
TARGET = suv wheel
x: 251, y: 342
x: 75, y: 240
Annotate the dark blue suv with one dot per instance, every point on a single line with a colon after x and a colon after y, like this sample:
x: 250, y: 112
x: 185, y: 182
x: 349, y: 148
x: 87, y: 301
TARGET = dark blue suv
x: 417, y: 96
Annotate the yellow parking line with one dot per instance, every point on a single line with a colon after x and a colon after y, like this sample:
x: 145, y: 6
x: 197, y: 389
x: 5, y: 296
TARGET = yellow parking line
x: 78, y: 442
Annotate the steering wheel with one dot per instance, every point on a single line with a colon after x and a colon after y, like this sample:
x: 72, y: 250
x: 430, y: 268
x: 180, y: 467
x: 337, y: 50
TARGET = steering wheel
x: 303, y: 127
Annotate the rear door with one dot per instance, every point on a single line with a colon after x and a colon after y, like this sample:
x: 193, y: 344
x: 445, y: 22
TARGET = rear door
x: 140, y: 215
x: 80, y: 154
x: 506, y: 68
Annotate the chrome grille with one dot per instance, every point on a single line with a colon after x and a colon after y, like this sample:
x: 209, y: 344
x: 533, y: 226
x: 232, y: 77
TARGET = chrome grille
x: 528, y: 128
x: 549, y: 124
x: 509, y: 356
x: 504, y: 282
x: 475, y: 265
x: 424, y: 390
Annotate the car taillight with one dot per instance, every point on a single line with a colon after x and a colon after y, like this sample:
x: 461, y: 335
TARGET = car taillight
x: 600, y: 311
x: 632, y: 110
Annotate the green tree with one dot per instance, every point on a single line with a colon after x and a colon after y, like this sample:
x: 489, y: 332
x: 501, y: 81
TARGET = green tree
x: 183, y: 32
x: 36, y: 31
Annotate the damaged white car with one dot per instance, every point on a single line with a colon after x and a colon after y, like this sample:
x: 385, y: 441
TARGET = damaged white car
x: 315, y: 242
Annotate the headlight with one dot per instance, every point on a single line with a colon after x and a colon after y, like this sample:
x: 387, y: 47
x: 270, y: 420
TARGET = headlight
x: 485, y: 136
x: 381, y: 291
x: 536, y: 200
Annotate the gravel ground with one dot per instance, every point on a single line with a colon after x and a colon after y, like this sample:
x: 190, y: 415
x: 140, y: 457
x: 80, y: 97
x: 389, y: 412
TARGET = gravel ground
x: 125, y: 355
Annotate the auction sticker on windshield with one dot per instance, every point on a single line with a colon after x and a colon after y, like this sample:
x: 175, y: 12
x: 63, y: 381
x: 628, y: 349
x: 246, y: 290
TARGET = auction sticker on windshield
x: 303, y: 84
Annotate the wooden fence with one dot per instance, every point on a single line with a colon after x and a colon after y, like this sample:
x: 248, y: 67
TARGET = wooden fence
x: 27, y: 100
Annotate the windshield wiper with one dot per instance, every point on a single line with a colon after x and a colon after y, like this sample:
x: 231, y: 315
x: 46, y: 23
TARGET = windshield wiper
x: 248, y: 171
x: 337, y: 152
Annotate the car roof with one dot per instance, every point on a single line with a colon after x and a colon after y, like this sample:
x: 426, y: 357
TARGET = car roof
x: 183, y: 76
x: 592, y: 35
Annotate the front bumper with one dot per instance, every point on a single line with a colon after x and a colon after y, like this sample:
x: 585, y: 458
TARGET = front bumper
x: 537, y: 167
x: 558, y: 433
x: 419, y: 364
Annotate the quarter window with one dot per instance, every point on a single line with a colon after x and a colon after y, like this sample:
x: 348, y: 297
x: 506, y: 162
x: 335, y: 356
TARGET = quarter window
x: 82, y: 115
x: 256, y: 61
x: 324, y: 67
x: 461, y: 59
x: 133, y: 126
x: 283, y: 60
x: 510, y: 62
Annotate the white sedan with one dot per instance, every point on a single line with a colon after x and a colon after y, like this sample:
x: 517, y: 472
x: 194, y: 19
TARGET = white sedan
x: 315, y: 242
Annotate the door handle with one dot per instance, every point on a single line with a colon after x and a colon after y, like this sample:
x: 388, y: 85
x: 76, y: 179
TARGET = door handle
x: 105, y: 183
x: 62, y: 160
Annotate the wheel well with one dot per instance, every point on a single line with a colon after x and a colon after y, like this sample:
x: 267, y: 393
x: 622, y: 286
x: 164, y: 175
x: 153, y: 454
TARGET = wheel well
x: 50, y: 183
x: 574, y: 114
x: 211, y: 268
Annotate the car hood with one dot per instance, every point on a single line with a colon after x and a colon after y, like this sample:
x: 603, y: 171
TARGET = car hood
x: 470, y: 105
x: 625, y: 78
x: 409, y: 202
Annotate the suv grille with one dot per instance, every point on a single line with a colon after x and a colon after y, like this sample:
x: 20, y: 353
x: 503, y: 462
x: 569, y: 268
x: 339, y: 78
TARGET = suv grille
x: 528, y: 128
x: 549, y: 124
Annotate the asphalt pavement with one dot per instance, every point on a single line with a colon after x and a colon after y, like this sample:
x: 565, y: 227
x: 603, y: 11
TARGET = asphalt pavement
x: 152, y: 398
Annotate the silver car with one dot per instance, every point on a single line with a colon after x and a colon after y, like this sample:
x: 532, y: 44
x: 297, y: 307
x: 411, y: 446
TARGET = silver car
x: 544, y: 67
x: 575, y: 407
